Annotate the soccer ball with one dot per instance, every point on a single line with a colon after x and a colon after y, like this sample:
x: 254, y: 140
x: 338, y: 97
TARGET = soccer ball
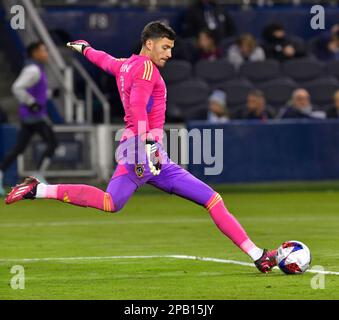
x: 293, y: 257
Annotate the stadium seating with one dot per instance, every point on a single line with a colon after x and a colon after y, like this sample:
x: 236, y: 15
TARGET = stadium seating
x: 227, y: 42
x: 188, y: 99
x: 322, y: 90
x: 303, y: 69
x: 173, y: 113
x: 189, y: 85
x: 177, y: 113
x: 214, y: 72
x: 332, y: 68
x: 237, y: 91
x: 313, y: 45
x: 259, y: 71
x: 176, y: 71
x: 278, y: 91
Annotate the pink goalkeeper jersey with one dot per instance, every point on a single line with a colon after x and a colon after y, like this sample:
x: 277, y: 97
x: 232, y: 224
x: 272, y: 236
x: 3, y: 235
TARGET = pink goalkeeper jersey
x: 142, y: 91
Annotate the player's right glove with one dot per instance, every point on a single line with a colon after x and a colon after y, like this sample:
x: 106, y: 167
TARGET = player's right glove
x: 35, y: 107
x: 78, y: 45
x: 153, y: 157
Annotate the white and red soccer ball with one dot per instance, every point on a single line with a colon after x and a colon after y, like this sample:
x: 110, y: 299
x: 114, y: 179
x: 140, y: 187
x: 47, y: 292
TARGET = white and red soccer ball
x: 293, y: 257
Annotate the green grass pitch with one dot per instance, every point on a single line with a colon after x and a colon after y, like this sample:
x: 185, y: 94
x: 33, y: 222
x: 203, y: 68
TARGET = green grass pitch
x: 154, y: 223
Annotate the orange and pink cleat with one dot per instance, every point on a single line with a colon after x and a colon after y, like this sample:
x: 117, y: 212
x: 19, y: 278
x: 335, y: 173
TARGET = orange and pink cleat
x: 25, y: 190
x: 267, y: 261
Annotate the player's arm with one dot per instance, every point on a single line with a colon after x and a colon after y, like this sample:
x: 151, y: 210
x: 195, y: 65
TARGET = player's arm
x: 141, y: 91
x: 28, y: 77
x: 140, y: 94
x: 100, y: 58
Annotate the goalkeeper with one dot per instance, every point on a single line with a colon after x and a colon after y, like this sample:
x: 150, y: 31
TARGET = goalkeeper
x: 143, y: 94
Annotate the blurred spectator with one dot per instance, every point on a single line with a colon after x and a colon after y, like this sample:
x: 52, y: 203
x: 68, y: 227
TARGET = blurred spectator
x: 245, y: 49
x: 207, y: 14
x: 333, y: 47
x: 256, y: 107
x: 3, y: 116
x: 182, y: 50
x: 208, y: 46
x: 333, y: 112
x: 278, y: 45
x: 326, y: 46
x: 31, y: 90
x: 217, y: 112
x: 301, y: 107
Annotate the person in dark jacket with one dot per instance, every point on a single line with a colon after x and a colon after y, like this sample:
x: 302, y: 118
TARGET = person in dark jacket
x: 256, y: 108
x: 326, y: 45
x: 301, y: 107
x: 207, y: 14
x: 207, y: 45
x: 333, y: 112
x: 278, y: 45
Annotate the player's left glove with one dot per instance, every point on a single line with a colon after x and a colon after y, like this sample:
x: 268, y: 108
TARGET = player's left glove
x: 153, y: 157
x: 78, y: 45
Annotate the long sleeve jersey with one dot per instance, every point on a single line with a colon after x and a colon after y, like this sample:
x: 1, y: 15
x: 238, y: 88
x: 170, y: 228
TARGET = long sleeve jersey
x: 142, y: 91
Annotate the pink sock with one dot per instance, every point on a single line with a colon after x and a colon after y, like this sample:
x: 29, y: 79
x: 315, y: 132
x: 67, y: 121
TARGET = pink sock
x: 77, y: 194
x: 228, y: 225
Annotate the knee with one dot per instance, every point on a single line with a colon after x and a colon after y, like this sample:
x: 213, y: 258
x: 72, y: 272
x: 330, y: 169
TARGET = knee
x: 112, y: 205
x: 118, y: 205
x: 213, y: 200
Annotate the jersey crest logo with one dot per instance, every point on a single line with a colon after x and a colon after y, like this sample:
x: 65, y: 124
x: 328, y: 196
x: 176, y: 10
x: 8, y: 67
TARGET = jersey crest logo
x: 139, y: 170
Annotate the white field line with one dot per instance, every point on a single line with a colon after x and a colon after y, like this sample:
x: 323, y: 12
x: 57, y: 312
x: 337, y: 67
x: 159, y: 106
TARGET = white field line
x: 241, y: 263
x: 126, y: 222
x: 96, y: 222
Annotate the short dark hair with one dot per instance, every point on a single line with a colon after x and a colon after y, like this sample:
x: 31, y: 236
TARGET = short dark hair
x: 256, y: 93
x: 210, y: 33
x: 157, y: 29
x: 32, y: 47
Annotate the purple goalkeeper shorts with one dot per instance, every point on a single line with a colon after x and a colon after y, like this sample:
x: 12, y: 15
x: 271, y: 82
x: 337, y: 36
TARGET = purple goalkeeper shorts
x: 133, y: 172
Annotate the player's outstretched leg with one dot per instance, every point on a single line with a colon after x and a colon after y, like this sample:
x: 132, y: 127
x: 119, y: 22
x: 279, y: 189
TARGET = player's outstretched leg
x: 264, y: 260
x: 180, y: 182
x: 118, y: 192
x: 77, y: 194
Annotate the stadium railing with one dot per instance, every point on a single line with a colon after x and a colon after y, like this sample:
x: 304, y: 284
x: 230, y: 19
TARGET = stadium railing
x: 63, y: 72
x: 88, y: 151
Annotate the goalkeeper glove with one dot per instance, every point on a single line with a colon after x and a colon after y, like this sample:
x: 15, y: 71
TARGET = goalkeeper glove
x: 153, y: 157
x: 78, y: 45
x: 35, y: 107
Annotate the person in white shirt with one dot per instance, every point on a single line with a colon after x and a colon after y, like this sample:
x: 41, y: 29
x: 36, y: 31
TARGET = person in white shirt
x: 217, y: 110
x: 245, y: 49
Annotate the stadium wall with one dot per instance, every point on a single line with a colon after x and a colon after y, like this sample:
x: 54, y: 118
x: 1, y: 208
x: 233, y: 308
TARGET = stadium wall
x: 252, y: 151
x: 288, y: 150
